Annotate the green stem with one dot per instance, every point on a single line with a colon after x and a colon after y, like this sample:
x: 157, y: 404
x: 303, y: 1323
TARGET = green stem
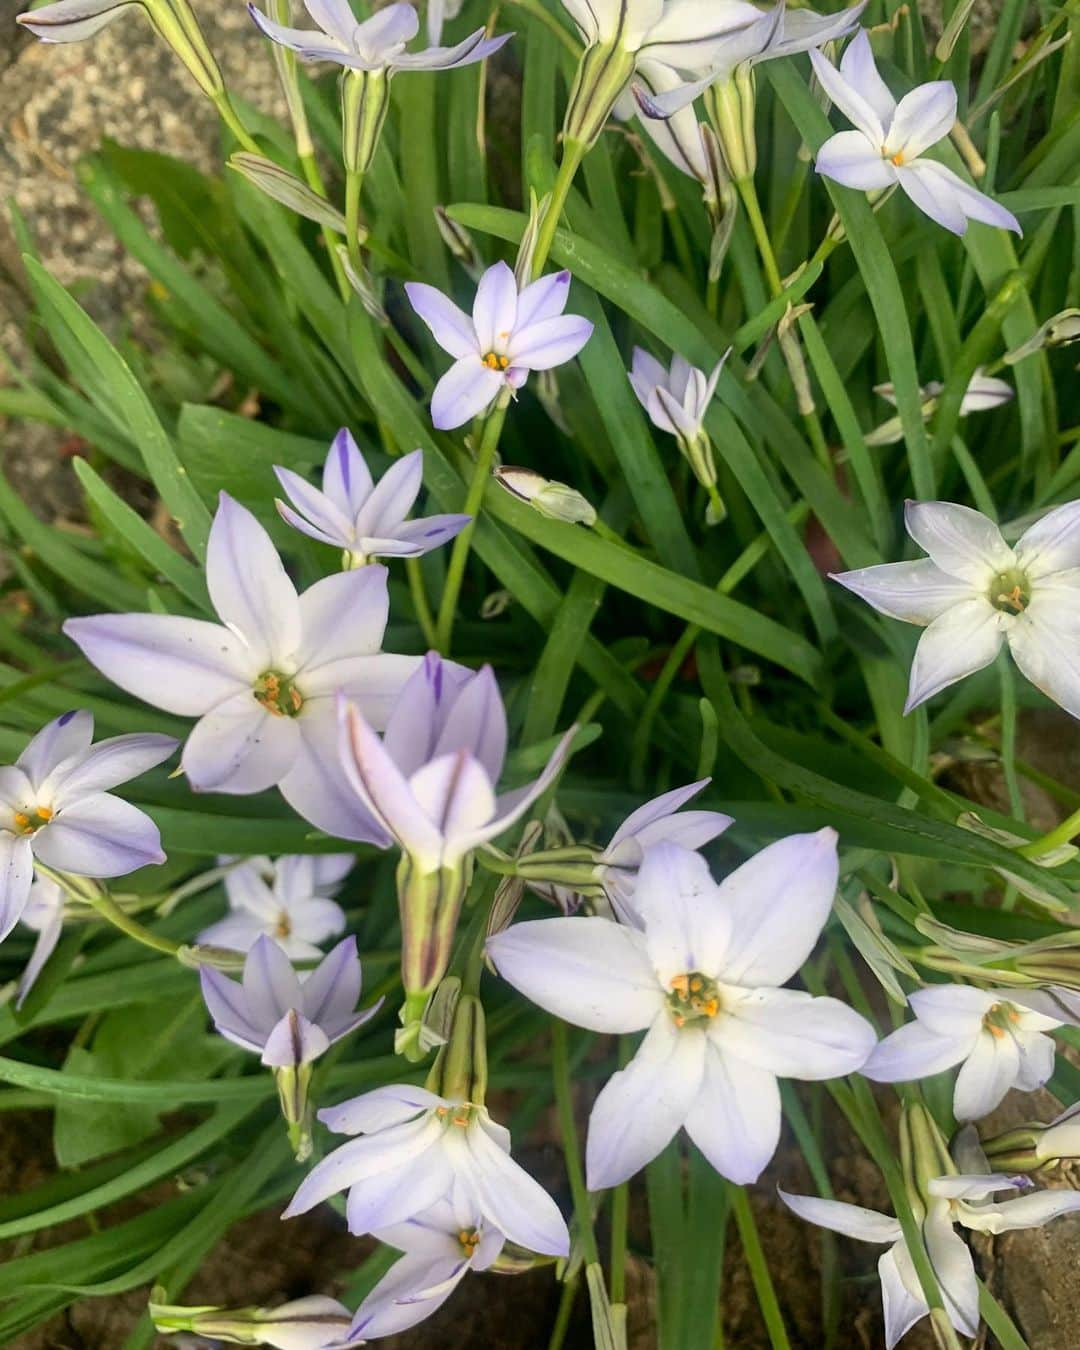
x: 231, y: 118
x: 107, y: 907
x: 573, y: 154
x: 657, y: 694
x: 1055, y: 838
x: 759, y: 1269
x: 354, y: 181
x: 566, y: 1307
x: 455, y: 572
x: 1008, y: 734
x: 560, y: 1069
x: 424, y: 616
x: 748, y: 193
x: 620, y: 1209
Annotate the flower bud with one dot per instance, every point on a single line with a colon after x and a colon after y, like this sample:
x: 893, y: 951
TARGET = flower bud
x: 430, y: 903
x: 604, y: 72
x: 302, y: 1324
x: 286, y: 188
x: 556, y: 501
x: 460, y: 1070
x: 1059, y: 331
x: 292, y: 1082
x: 365, y: 101
x: 1030, y: 1147
x: 924, y: 1155
x: 730, y: 105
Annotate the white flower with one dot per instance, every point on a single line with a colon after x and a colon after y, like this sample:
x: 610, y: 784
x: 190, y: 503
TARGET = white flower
x: 509, y: 334
x: 703, y: 978
x: 964, y: 1200
x: 998, y: 1040
x: 982, y: 394
x: 44, y: 915
x: 418, y: 1148
x: 890, y: 139
x: 1061, y: 1138
x: 676, y: 399
x: 288, y: 906
x: 440, y: 1247
x: 974, y: 592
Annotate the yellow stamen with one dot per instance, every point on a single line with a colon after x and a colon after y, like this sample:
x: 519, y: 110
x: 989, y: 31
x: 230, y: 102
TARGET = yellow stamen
x: 1014, y: 599
x: 495, y: 362
x: 22, y: 820
x: 897, y: 159
x: 284, y: 926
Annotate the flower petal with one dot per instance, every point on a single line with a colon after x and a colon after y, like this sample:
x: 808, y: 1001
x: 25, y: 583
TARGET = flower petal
x: 853, y: 1221
x: 395, y: 1304
x: 687, y: 925
x: 389, y: 27
x: 1029, y: 1211
x: 16, y: 878
x: 109, y: 763
x: 380, y: 1108
x: 913, y: 1052
x: 65, y: 738
x: 353, y: 1163
x: 1052, y: 544
x: 588, y: 971
x: 653, y: 812
x: 922, y: 118
x: 516, y: 1204
x: 464, y: 391
x: 955, y: 1270
x: 315, y: 514
x: 342, y: 616
x: 317, y: 787
x: 853, y: 160
x: 902, y: 1296
x: 640, y: 1109
x: 963, y: 542
x: 543, y: 299
x: 851, y: 102
x: 240, y: 748
x: 549, y: 342
x: 185, y: 666
x: 476, y: 47
x: 779, y: 901
x: 986, y: 1075
x: 962, y: 640
x: 336, y: 18
x: 249, y: 586
x: 346, y: 477
x: 224, y: 999
x: 294, y: 1041
x: 71, y: 20
x: 451, y: 328
x: 476, y: 723
x: 332, y: 990
x: 937, y: 183
x: 955, y: 1010
x: 934, y: 198
x: 917, y: 592
x: 495, y: 309
x: 794, y: 1035
x: 393, y: 497
x: 1047, y: 652
x: 414, y: 538
x: 735, y: 1120
x: 99, y: 836
x: 859, y: 69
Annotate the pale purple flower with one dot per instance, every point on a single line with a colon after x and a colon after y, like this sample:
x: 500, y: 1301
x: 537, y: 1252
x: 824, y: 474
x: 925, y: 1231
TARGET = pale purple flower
x: 982, y: 394
x: 975, y: 592
x: 657, y: 821
x: 417, y: 1149
x: 888, y: 146
x: 44, y: 915
x: 262, y: 682
x: 430, y: 781
x: 287, y: 1018
x: 964, y: 1200
x: 376, y: 44
x: 440, y: 1246
x: 56, y: 807
x: 703, y: 977
x: 997, y: 1039
x: 364, y: 520
x: 676, y: 399
x: 289, y: 906
x: 509, y: 334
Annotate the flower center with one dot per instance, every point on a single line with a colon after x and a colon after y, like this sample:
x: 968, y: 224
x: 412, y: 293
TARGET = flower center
x: 283, y: 927
x: 494, y: 361
x: 897, y: 159
x: 460, y: 1115
x: 1010, y: 592
x: 27, y: 822
x: 469, y: 1240
x: 277, y: 694
x: 693, y: 997
x: 1000, y: 1018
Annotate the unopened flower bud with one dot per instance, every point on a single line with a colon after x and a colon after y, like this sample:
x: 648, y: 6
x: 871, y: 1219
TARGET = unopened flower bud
x: 365, y: 101
x: 924, y: 1155
x: 430, y: 903
x: 460, y: 1071
x: 731, y: 104
x: 303, y: 1324
x: 1059, y: 331
x: 604, y: 72
x: 556, y: 501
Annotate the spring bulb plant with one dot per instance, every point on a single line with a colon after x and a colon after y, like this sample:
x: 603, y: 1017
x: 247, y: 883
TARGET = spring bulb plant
x: 472, y: 798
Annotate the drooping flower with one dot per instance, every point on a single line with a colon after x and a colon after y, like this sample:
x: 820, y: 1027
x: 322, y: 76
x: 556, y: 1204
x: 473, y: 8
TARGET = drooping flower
x: 263, y: 681
x: 703, y: 977
x: 377, y: 43
x: 974, y: 592
x: 44, y: 914
x: 288, y: 1019
x: 56, y: 806
x: 440, y: 1246
x: 996, y: 1038
x: 887, y: 147
x: 430, y: 783
x: 509, y: 334
x: 957, y: 1199
x: 289, y: 906
x: 364, y: 520
x: 417, y: 1149
x: 665, y: 97
x: 312, y: 1323
x: 372, y: 53
x: 982, y: 394
x: 677, y: 401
